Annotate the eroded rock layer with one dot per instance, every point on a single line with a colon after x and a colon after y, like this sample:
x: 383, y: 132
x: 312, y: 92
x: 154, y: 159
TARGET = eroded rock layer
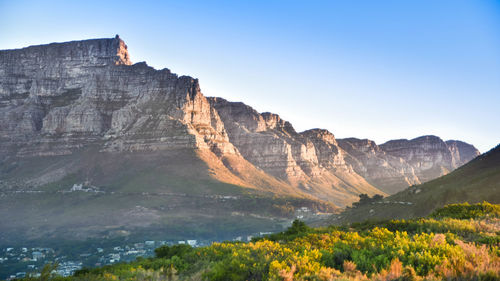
x: 397, y: 164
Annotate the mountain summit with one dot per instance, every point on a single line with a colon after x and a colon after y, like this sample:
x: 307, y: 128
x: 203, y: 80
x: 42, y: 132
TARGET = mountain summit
x: 80, y: 116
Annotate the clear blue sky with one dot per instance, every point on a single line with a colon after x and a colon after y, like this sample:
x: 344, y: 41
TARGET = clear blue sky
x: 366, y: 69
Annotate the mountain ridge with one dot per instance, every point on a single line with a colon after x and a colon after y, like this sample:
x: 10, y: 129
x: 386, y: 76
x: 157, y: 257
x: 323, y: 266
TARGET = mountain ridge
x: 68, y: 108
x: 58, y: 103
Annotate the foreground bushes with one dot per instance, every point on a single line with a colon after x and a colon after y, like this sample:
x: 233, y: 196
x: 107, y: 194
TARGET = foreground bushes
x: 467, y: 211
x: 446, y: 247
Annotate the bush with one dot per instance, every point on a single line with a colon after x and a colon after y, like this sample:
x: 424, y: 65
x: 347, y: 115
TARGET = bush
x: 467, y: 211
x: 441, y: 248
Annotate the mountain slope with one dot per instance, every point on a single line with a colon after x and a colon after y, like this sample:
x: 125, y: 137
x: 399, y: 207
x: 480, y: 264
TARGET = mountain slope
x: 88, y: 138
x: 128, y: 194
x: 59, y: 98
x: 476, y: 181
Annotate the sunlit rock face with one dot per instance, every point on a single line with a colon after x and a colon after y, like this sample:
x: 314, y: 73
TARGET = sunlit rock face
x: 273, y: 145
x: 430, y: 156
x: 389, y: 173
x: 394, y: 165
x: 265, y: 139
x: 312, y: 161
x: 63, y: 97
x: 58, y: 97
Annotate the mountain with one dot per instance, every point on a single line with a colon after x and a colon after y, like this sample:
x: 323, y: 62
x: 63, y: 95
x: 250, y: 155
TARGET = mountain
x: 92, y: 145
x: 476, y: 181
x: 312, y: 160
x: 64, y: 97
x: 397, y: 164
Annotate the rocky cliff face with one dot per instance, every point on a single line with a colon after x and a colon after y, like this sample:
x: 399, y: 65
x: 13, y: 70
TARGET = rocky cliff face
x: 311, y: 161
x: 396, y: 164
x: 389, y: 173
x: 461, y: 152
x: 58, y: 99
x: 430, y: 156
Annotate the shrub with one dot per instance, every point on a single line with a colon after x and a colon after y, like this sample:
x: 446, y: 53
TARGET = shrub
x: 166, y: 252
x: 441, y: 248
x: 467, y: 211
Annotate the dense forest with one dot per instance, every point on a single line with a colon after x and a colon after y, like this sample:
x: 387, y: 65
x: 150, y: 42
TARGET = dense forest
x: 457, y: 242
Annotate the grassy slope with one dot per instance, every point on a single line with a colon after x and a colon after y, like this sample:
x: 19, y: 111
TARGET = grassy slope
x: 477, y: 181
x: 152, y: 193
x: 457, y: 243
x: 339, y: 188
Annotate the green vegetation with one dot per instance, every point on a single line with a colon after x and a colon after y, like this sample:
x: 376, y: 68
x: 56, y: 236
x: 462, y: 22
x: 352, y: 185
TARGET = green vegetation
x: 467, y: 211
x: 459, y: 242
x: 167, y: 252
x: 364, y: 199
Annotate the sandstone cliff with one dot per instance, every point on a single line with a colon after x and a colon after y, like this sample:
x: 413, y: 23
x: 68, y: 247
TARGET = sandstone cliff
x: 310, y: 161
x: 387, y: 172
x: 461, y: 152
x: 397, y: 164
x: 61, y: 98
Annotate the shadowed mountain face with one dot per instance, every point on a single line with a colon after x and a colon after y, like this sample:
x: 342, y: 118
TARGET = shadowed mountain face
x: 80, y: 116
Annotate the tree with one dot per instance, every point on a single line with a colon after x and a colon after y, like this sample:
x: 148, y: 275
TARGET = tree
x: 167, y: 252
x: 48, y: 271
x: 297, y: 227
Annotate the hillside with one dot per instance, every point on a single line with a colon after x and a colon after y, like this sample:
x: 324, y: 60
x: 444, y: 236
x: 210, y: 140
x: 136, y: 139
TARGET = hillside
x: 457, y: 242
x: 476, y: 181
x: 151, y: 191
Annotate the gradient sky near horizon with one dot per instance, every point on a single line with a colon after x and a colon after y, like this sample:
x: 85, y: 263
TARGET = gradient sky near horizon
x: 368, y: 69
